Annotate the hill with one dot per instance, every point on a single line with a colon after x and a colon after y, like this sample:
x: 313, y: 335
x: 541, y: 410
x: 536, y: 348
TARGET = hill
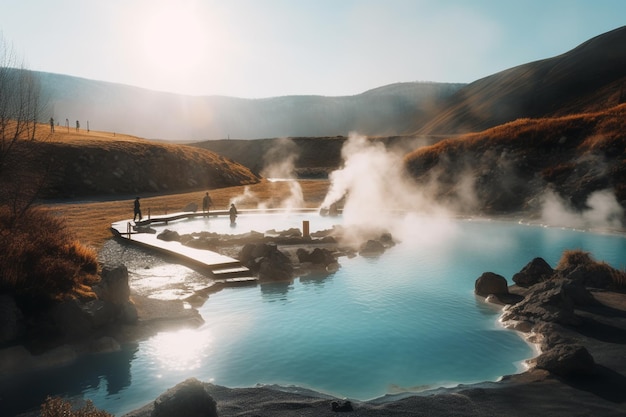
x: 82, y: 164
x: 590, y: 77
x: 157, y: 115
x: 510, y: 167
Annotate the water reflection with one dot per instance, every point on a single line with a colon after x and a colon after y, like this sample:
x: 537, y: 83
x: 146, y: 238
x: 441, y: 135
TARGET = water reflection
x: 275, y: 291
x: 107, y: 371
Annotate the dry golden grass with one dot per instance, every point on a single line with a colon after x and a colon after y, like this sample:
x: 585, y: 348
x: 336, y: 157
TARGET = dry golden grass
x: 58, y: 407
x: 91, y: 221
x: 577, y: 258
x: 586, y: 130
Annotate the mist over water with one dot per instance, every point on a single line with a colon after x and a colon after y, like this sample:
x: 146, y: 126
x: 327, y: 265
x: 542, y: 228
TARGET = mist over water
x: 603, y: 212
x: 279, y: 164
x: 377, y: 194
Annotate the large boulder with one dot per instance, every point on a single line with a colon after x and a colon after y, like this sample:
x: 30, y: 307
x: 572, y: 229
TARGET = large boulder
x: 113, y: 286
x: 537, y: 270
x: 550, y: 301
x: 566, y: 360
x: 267, y: 261
x: 491, y: 283
x: 318, y: 256
x: 190, y: 398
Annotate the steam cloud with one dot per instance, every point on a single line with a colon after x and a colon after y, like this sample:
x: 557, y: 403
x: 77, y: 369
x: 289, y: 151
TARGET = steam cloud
x: 604, y: 212
x: 279, y: 166
x: 378, y: 196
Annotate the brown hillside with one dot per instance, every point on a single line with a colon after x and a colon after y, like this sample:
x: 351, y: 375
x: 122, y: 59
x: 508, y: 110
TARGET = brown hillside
x: 101, y: 163
x: 591, y: 77
x: 312, y: 157
x: 511, y: 165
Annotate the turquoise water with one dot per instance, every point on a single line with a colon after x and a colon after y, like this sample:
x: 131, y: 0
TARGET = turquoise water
x: 405, y: 321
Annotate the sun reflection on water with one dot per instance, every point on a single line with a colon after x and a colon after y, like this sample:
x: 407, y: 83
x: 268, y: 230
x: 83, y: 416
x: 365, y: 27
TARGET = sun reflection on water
x: 182, y: 350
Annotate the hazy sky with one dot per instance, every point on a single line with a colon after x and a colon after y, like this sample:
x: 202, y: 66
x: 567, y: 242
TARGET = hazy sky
x: 267, y: 48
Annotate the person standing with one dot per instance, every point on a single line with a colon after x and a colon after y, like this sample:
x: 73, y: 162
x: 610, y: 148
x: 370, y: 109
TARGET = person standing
x: 137, y: 209
x: 206, y: 203
x: 233, y: 213
x: 52, y: 125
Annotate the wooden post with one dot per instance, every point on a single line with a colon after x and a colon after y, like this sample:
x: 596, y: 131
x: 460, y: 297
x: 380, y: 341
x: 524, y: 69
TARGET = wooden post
x: 128, y: 228
x: 305, y: 228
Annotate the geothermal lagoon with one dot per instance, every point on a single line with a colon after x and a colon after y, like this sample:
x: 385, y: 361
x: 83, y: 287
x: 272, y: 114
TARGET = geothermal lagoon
x: 405, y: 321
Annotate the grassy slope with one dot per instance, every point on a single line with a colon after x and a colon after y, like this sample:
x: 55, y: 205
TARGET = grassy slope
x: 102, y: 163
x: 514, y: 162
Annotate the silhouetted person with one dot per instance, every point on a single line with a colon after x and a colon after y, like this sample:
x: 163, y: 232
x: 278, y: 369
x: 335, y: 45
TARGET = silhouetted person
x: 206, y: 203
x: 52, y: 125
x: 77, y: 125
x: 233, y: 213
x: 137, y: 210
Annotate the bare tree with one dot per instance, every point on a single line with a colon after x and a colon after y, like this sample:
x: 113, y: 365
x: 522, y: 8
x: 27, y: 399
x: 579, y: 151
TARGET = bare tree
x: 21, y: 173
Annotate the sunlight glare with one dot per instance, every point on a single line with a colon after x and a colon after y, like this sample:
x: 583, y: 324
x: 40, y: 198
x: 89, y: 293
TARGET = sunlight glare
x: 173, y: 39
x: 182, y: 350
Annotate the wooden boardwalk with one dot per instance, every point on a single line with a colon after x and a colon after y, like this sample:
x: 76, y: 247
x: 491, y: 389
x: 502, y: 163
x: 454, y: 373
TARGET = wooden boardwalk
x: 223, y: 269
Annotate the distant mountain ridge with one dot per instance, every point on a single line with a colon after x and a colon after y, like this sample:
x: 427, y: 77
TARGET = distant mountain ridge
x: 150, y: 114
x: 590, y: 77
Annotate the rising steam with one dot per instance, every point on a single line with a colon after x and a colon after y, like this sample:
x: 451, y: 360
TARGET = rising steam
x: 377, y: 195
x: 279, y: 167
x: 604, y: 211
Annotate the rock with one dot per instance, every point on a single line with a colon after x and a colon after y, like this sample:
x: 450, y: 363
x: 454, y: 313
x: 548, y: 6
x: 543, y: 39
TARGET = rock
x: 191, y: 207
x: 14, y: 359
x: 341, y: 406
x: 11, y: 320
x: 70, y: 321
x: 534, y: 272
x: 372, y: 248
x: 318, y: 256
x: 549, y: 301
x: 100, y: 313
x: 169, y: 236
x: 293, y: 232
x: 594, y: 275
x: 113, y: 286
x: 491, y: 283
x: 190, y: 398
x: 129, y: 314
x: 266, y: 260
x: 566, y: 360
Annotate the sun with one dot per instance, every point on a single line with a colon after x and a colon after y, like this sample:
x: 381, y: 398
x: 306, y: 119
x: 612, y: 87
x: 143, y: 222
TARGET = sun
x: 173, y: 40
